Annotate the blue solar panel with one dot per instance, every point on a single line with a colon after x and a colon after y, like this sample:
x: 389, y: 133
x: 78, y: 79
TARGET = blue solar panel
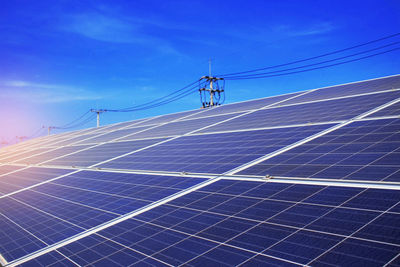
x: 170, y: 117
x: 23, y: 154
x: 332, y: 110
x: 33, y: 228
x: 36, y: 158
x: 213, y: 153
x: 106, y: 137
x: 244, y: 106
x: 86, y: 215
x: 8, y: 168
x: 212, y: 226
x: 179, y: 127
x: 72, y: 204
x: 392, y: 110
x: 364, y: 150
x: 27, y: 177
x: 376, y: 85
x: 101, y: 153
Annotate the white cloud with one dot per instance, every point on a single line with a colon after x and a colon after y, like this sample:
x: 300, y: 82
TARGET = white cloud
x: 102, y: 28
x: 45, y: 93
x: 315, y: 29
x: 117, y: 28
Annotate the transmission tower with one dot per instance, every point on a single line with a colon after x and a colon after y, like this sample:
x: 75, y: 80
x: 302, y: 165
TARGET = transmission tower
x: 212, y: 93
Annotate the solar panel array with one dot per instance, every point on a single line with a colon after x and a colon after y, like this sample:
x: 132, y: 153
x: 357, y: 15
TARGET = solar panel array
x: 310, y: 178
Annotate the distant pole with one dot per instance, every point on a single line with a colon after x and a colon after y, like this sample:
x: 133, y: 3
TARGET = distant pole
x: 98, y: 119
x: 48, y: 130
x: 98, y: 111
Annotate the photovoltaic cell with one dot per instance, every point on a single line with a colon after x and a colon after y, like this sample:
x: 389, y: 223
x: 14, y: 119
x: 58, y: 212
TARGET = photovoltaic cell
x: 27, y: 177
x: 74, y: 140
x: 52, y: 154
x: 101, y: 153
x: 8, y: 168
x: 324, y: 111
x: 119, y: 126
x: 170, y: 117
x: 241, y: 222
x: 23, y: 154
x: 117, y: 193
x: 392, y: 110
x: 244, y: 106
x: 113, y: 135
x: 363, y: 150
x: 376, y: 85
x: 213, y: 153
x: 228, y: 222
x: 81, y: 203
x: 24, y: 230
x: 179, y: 127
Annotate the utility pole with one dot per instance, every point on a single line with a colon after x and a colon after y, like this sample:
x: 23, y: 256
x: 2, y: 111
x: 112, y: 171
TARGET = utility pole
x: 98, y: 111
x: 213, y: 90
x: 49, y: 129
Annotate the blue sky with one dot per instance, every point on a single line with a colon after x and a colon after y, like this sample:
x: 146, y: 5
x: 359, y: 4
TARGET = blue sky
x: 61, y: 58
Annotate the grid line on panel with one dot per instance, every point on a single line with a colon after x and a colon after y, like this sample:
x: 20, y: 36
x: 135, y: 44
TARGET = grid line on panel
x: 259, y: 222
x: 302, y: 228
x: 60, y: 147
x: 14, y: 171
x: 214, y: 180
x: 173, y: 138
x: 363, y: 150
x: 225, y: 242
x: 305, y: 140
x: 78, y: 141
x: 116, y: 139
x: 54, y: 216
x: 321, y: 111
x: 336, y: 98
x: 134, y: 250
x: 178, y: 119
x: 158, y: 225
x: 392, y: 260
x: 256, y: 225
x: 109, y: 223
x: 33, y: 235
x: 217, y: 203
x: 362, y: 86
x: 38, y: 184
x: 355, y: 232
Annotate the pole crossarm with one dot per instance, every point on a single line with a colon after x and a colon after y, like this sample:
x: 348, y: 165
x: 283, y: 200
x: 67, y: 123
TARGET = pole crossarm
x: 215, y: 91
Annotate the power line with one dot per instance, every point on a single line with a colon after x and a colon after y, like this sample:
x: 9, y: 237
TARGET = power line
x: 313, y: 64
x: 174, y: 96
x: 316, y: 68
x: 314, y: 57
x: 249, y: 74
x: 77, y: 124
x: 36, y: 133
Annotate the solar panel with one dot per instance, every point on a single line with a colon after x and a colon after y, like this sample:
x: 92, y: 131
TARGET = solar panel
x: 393, y: 110
x: 363, y: 150
x: 322, y: 111
x: 212, y: 153
x: 246, y: 105
x: 27, y: 177
x: 310, y: 178
x: 369, y: 86
x: 289, y: 224
x: 100, y: 153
